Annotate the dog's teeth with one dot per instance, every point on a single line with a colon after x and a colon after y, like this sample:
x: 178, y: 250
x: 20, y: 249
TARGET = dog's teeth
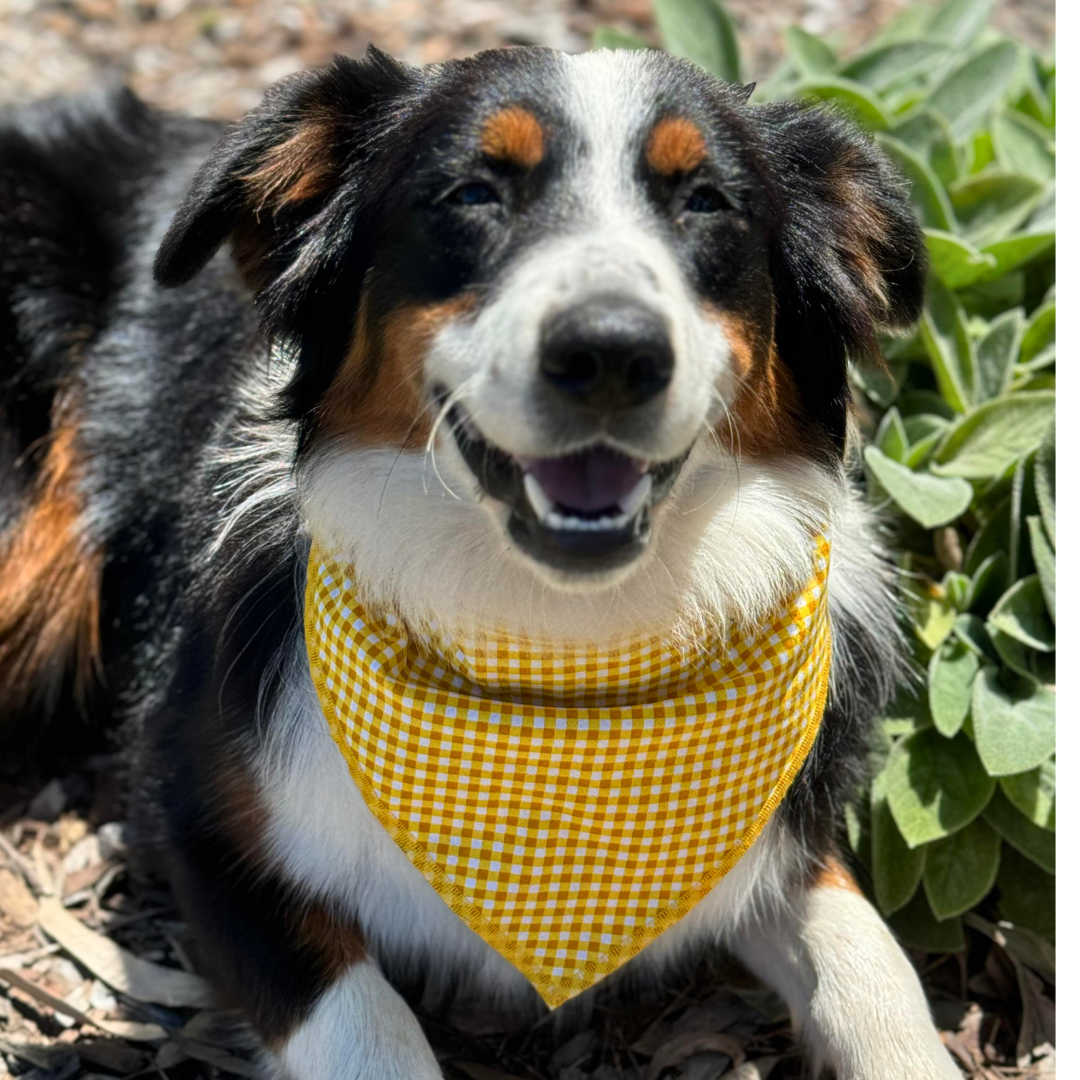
x: 541, y: 504
x: 632, y: 502
x: 555, y: 520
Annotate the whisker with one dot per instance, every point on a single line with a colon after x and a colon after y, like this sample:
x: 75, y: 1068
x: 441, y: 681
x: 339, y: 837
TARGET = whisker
x: 393, y: 464
x: 429, y: 450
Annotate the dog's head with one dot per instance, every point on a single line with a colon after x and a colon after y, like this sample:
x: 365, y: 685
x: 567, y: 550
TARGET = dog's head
x: 560, y: 283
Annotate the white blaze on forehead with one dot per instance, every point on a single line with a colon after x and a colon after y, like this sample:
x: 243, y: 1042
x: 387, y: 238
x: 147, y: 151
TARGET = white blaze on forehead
x: 608, y: 102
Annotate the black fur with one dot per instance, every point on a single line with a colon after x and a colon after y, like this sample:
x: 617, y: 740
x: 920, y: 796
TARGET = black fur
x: 192, y: 636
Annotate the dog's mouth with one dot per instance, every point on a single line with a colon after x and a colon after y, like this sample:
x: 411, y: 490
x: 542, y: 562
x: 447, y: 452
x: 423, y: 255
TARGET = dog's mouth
x: 587, y: 511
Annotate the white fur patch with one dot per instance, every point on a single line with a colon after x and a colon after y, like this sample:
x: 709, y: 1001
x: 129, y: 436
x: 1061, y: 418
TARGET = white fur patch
x: 360, y: 1029
x: 852, y: 992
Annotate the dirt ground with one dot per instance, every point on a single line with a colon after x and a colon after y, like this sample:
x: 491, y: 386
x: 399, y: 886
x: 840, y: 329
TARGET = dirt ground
x: 215, y: 59
x: 96, y: 969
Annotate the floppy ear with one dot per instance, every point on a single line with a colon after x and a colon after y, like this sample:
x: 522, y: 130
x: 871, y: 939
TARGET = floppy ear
x: 847, y: 254
x: 280, y: 166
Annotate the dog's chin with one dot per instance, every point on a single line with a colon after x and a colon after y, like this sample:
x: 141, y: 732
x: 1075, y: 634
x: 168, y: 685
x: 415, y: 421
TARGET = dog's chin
x: 583, y: 521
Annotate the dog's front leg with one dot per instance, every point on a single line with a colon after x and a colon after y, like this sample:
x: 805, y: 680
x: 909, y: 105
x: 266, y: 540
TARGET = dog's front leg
x: 359, y: 1029
x: 852, y: 992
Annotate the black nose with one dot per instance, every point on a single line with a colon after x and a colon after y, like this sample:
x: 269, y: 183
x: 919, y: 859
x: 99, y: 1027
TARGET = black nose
x: 609, y: 352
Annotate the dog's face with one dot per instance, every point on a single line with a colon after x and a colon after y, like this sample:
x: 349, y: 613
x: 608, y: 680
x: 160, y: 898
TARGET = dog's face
x: 564, y: 276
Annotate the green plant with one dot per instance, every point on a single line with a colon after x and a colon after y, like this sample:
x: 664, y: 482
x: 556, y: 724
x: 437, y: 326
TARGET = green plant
x: 961, y: 447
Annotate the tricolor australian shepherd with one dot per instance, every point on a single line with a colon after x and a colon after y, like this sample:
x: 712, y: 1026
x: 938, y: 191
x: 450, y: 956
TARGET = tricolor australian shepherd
x: 555, y: 343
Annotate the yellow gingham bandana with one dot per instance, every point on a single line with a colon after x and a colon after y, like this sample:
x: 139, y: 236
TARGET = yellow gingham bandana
x: 568, y: 803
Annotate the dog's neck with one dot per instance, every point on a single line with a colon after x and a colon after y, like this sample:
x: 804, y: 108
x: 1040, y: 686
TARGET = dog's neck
x: 733, y: 541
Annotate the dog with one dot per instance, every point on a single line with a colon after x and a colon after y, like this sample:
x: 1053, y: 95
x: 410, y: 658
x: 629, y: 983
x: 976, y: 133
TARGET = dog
x: 551, y: 343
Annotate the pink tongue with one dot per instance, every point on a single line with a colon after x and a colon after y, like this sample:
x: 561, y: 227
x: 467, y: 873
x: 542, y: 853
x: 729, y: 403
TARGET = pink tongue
x: 590, y: 481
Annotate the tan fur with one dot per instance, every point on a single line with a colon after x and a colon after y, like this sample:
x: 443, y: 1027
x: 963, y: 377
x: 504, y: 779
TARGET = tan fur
x: 298, y: 169
x: 377, y: 397
x: 675, y: 145
x: 833, y: 874
x: 513, y: 135
x: 337, y: 940
x: 50, y: 581
x: 765, y: 418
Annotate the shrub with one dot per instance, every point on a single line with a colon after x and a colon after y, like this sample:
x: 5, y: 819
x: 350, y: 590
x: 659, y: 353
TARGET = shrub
x: 960, y: 451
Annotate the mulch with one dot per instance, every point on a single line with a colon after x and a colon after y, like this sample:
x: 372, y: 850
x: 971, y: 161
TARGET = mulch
x: 98, y: 979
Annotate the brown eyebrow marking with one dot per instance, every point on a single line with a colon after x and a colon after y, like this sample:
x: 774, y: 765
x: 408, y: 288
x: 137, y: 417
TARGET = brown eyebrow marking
x: 513, y: 135
x: 675, y: 145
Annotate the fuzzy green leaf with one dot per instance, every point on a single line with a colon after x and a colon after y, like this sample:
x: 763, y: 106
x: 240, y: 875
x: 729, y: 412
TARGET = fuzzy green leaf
x: 992, y: 436
x: 908, y: 24
x: 1015, y: 252
x: 862, y: 104
x: 1015, y: 655
x: 927, y: 132
x: 1027, y: 894
x: 891, y: 436
x: 917, y: 928
x: 930, y: 500
x: 997, y: 351
x: 1021, y: 145
x: 960, y: 870
x: 897, y: 869
x: 960, y: 21
x: 923, y: 438
x: 1045, y: 562
x: 1037, y: 844
x: 813, y: 56
x: 948, y: 344
x: 607, y: 37
x: 1021, y: 613
x: 934, y: 786
x: 701, y: 31
x: 1044, y: 484
x: 1014, y: 726
x: 952, y: 672
x: 966, y: 95
x: 990, y: 205
x: 1041, y: 331
x: 956, y: 262
x: 884, y: 67
x: 989, y: 579
x: 1034, y: 794
x: 928, y: 197
x: 908, y: 712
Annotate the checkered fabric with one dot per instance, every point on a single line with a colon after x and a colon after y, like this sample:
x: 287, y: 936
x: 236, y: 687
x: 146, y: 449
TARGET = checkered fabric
x: 568, y: 802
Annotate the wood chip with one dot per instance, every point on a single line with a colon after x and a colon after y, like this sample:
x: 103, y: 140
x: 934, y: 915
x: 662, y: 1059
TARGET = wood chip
x: 212, y: 1055
x: 482, y: 1072
x: 111, y: 1054
x: 77, y: 880
x: 676, y: 1050
x: 24, y: 865
x: 139, y: 979
x: 16, y: 900
x: 753, y: 1070
x: 124, y: 1029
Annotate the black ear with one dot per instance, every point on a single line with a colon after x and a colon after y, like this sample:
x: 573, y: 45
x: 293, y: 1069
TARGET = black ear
x: 281, y: 164
x: 847, y: 254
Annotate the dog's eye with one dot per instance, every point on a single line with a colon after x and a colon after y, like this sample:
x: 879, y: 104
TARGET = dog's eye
x: 707, y: 200
x: 474, y: 193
